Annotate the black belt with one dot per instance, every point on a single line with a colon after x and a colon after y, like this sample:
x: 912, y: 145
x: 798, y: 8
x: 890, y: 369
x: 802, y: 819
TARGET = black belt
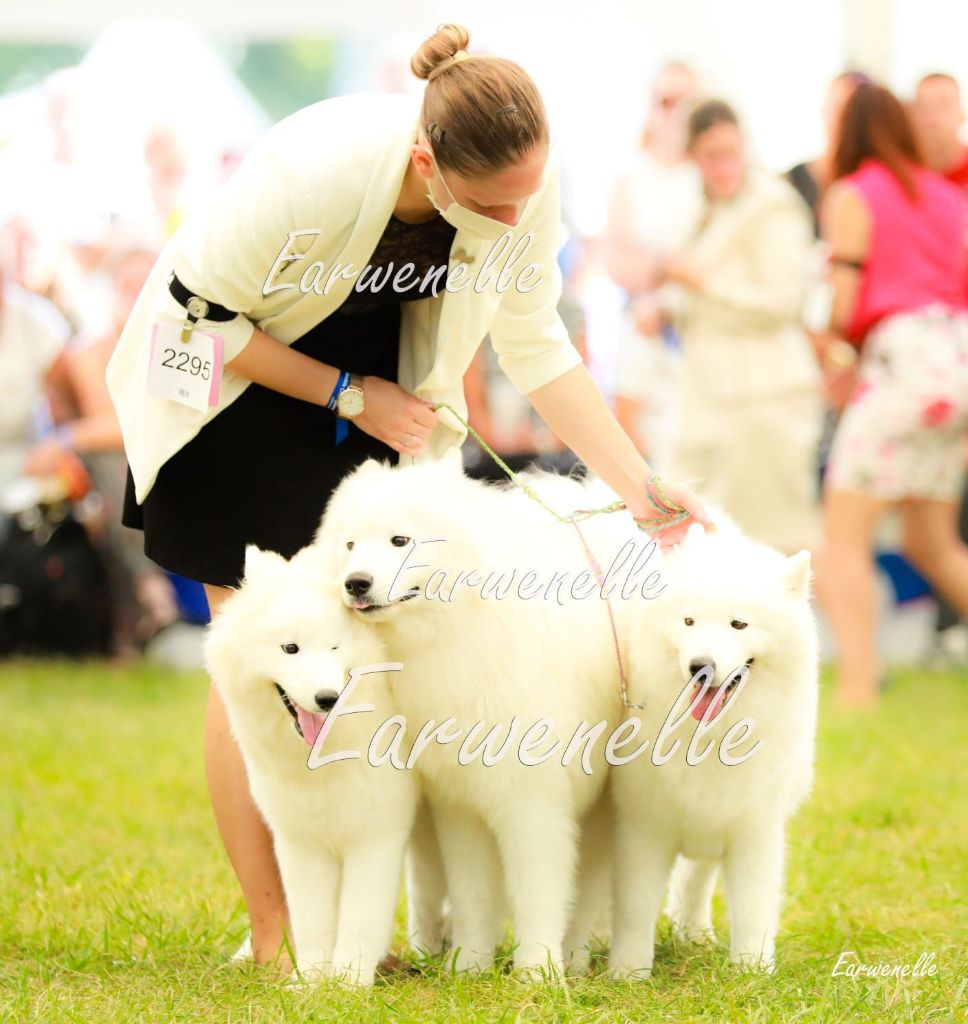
x: 198, y: 308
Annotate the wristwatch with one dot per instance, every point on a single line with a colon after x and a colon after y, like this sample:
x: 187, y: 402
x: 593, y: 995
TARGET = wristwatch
x: 349, y: 402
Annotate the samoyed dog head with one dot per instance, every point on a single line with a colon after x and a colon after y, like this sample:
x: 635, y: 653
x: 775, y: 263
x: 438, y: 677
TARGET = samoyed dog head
x: 388, y: 530
x: 281, y: 647
x: 735, y: 613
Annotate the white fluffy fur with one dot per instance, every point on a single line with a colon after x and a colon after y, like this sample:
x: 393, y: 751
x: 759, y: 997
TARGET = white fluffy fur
x: 713, y: 814
x: 339, y: 830
x: 507, y: 829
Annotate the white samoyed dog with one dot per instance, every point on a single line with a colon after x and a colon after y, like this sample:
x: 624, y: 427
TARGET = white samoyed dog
x: 737, y: 613
x: 422, y: 554
x: 280, y: 650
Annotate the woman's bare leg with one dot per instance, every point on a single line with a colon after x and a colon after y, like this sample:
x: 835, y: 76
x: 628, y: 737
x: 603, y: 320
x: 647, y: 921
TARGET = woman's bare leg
x: 847, y: 589
x: 933, y: 545
x: 244, y: 833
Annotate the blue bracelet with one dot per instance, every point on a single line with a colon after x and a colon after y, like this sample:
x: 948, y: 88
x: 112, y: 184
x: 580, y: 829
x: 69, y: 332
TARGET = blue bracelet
x: 341, y: 384
x: 342, y: 427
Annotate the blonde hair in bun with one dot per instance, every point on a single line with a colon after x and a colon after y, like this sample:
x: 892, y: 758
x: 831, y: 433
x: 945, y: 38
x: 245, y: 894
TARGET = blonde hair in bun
x: 480, y: 114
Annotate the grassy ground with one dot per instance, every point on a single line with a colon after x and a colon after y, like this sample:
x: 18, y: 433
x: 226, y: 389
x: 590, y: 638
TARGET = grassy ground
x: 117, y: 904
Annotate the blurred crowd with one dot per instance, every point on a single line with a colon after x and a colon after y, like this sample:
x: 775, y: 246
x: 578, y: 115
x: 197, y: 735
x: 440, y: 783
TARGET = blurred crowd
x: 75, y: 252
x: 750, y: 300
x: 796, y: 346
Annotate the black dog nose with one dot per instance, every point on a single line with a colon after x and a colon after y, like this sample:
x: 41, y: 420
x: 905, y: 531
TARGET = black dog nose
x: 326, y: 700
x: 697, y: 665
x: 358, y: 583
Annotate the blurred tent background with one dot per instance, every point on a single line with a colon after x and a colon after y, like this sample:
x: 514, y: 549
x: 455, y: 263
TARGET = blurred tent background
x: 256, y: 62
x: 218, y: 73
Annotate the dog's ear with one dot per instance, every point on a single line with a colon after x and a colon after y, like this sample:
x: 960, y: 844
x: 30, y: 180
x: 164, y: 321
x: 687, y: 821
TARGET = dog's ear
x: 259, y: 564
x: 796, y: 574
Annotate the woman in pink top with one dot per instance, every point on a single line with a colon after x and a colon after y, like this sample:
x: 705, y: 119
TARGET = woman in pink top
x: 896, y: 232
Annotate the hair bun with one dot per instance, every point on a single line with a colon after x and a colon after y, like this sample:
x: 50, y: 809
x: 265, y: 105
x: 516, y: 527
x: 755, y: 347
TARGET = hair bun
x: 441, y: 46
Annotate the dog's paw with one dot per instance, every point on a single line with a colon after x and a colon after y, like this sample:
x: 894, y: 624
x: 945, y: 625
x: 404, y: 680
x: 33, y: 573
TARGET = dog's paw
x: 349, y: 970
x: 694, y: 931
x: 351, y: 977
x: 305, y: 977
x: 754, y: 961
x: 578, y: 961
x: 428, y: 944
x: 622, y: 968
x: 628, y: 973
x: 539, y: 974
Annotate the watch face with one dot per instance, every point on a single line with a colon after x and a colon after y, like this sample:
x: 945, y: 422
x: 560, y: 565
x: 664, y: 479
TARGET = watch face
x: 350, y: 402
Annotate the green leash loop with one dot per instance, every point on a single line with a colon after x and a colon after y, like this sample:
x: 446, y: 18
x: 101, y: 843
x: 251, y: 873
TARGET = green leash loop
x: 670, y: 513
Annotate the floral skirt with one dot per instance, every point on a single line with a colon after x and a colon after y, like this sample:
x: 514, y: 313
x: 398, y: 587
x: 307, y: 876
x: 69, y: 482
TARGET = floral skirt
x: 903, y: 432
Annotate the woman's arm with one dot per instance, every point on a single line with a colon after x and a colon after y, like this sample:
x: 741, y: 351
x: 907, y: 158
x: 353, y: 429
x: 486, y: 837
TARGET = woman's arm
x: 390, y: 413
x: 846, y: 225
x: 227, y: 256
x: 576, y: 411
x: 274, y: 365
x: 534, y: 350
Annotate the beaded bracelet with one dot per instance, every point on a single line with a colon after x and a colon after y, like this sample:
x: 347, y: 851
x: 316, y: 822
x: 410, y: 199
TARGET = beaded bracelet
x: 670, y: 514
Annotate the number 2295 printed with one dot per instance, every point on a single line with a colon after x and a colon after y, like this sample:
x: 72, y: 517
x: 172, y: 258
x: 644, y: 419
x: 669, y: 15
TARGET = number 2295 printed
x: 184, y: 364
x: 188, y: 372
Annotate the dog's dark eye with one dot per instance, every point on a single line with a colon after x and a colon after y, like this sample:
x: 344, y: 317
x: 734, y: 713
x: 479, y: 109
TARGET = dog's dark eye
x: 291, y: 648
x: 335, y: 647
x: 349, y: 545
x: 399, y: 542
x: 739, y: 624
x: 688, y: 621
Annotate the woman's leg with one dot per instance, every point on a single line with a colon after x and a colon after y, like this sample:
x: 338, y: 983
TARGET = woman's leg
x: 932, y: 544
x: 244, y: 832
x: 847, y: 590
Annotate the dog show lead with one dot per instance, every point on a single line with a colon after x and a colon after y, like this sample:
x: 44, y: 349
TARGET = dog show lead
x: 242, y: 406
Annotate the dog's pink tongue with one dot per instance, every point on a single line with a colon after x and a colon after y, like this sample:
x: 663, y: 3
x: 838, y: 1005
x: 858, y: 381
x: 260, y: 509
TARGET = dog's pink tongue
x: 310, y: 723
x: 714, y: 697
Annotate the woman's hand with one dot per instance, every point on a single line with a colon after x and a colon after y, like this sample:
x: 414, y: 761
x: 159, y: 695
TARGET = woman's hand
x: 573, y: 407
x: 677, y: 497
x: 395, y: 417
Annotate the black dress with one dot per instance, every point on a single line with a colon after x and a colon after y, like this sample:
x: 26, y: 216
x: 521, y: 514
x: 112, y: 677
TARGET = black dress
x: 263, y: 469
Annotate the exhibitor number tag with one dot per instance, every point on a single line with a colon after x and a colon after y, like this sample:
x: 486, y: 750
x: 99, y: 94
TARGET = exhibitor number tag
x: 189, y: 372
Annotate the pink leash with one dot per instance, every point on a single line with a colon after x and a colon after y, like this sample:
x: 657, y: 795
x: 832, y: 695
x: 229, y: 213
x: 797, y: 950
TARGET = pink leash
x: 600, y: 576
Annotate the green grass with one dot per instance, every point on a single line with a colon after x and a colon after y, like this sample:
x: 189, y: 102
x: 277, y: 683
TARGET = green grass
x: 117, y: 903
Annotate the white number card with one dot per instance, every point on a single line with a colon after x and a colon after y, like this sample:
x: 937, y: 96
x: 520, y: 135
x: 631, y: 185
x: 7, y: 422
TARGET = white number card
x: 189, y: 372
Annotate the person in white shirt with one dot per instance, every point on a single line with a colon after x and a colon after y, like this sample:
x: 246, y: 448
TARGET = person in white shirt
x: 752, y: 408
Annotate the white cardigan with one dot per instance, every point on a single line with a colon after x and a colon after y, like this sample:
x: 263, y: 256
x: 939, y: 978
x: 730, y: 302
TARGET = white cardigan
x: 335, y: 167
